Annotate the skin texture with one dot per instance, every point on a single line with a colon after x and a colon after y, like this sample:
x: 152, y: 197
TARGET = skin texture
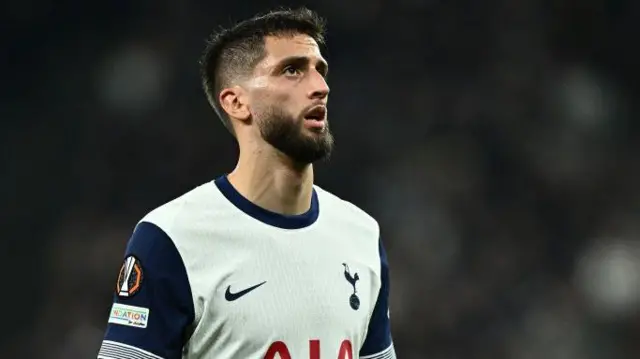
x: 268, y: 109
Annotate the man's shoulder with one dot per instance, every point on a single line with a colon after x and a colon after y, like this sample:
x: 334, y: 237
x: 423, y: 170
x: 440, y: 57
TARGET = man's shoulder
x: 340, y: 209
x: 184, y: 210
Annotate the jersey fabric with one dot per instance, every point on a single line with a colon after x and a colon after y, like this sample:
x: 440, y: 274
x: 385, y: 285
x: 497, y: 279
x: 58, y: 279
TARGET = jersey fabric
x: 210, y: 275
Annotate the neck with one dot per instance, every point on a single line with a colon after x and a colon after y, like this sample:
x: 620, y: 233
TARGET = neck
x: 272, y: 181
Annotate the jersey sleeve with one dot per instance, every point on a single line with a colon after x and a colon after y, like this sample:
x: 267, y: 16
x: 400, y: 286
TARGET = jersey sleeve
x: 378, y: 343
x: 152, y: 309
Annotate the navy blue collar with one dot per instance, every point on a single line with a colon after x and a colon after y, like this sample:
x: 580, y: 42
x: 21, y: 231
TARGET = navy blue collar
x: 266, y: 216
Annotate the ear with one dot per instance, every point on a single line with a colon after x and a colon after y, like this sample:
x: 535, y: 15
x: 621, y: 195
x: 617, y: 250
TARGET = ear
x: 233, y: 101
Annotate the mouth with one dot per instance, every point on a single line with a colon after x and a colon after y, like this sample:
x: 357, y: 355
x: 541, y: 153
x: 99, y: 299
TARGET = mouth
x: 316, y: 117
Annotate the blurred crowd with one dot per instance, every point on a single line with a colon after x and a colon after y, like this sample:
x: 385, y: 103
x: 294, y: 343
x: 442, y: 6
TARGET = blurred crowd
x: 495, y: 142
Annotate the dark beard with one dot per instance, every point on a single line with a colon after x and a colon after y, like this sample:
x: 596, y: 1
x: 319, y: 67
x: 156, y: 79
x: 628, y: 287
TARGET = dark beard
x: 285, y: 134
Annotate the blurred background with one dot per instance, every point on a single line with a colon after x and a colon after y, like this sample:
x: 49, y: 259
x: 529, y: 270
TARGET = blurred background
x: 495, y: 141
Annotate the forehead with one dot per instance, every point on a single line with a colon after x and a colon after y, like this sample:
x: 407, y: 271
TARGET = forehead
x: 278, y: 48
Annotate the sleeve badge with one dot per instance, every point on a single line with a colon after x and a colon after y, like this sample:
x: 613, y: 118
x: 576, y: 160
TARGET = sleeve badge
x: 129, y: 278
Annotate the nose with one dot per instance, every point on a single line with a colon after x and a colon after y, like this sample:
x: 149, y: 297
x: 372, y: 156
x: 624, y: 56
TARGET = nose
x: 319, y: 87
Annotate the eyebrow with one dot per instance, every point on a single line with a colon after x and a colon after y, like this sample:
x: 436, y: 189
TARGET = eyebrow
x: 321, y: 66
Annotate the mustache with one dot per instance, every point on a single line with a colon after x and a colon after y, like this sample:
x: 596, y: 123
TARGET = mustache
x: 314, y: 105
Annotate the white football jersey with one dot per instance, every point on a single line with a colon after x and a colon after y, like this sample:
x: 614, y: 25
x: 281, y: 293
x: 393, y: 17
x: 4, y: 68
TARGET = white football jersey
x: 210, y: 275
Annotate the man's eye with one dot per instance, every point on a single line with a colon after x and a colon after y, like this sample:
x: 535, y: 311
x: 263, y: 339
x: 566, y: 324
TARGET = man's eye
x: 290, y: 70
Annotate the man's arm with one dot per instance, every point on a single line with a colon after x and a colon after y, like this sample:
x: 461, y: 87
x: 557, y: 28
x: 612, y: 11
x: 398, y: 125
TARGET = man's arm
x: 153, y: 307
x: 378, y: 344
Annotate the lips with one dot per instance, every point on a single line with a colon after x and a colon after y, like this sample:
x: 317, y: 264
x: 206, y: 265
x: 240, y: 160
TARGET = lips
x: 316, y: 113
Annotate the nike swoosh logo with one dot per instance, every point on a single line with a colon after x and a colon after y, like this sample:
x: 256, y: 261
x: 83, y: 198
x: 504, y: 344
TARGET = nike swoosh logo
x: 233, y: 296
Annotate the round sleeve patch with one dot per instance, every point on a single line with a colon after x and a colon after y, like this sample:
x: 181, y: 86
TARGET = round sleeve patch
x: 129, y: 278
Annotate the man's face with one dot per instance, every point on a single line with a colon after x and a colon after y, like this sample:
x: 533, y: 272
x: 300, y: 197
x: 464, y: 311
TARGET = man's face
x: 288, y: 97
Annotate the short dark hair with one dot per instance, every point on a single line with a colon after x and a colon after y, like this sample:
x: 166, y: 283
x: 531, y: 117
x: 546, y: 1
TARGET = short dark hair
x: 234, y: 52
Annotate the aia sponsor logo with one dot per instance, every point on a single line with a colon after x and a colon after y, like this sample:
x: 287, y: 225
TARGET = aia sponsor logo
x: 280, y: 350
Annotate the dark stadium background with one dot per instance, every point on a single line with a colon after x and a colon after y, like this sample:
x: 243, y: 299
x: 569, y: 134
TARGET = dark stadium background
x: 496, y: 141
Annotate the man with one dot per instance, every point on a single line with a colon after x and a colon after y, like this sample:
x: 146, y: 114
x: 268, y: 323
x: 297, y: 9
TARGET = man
x: 259, y: 263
